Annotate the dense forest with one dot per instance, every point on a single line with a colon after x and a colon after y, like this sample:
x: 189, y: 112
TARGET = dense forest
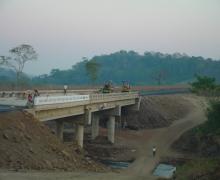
x: 151, y: 68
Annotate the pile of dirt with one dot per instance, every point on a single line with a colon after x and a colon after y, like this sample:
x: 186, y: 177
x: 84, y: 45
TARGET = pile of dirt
x: 157, y: 111
x: 27, y: 143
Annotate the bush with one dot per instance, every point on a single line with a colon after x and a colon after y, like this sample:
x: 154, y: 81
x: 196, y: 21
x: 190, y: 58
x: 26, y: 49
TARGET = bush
x: 203, y: 84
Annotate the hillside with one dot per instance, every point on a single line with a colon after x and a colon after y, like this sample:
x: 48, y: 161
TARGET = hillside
x: 150, y: 68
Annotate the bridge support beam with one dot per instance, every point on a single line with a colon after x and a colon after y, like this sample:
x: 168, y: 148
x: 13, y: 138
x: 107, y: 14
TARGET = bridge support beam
x: 79, y: 134
x: 59, y: 125
x: 111, y: 129
x: 95, y: 126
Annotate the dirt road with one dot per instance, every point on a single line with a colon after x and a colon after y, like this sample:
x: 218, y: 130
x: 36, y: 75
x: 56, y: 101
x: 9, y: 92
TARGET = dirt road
x: 143, y: 141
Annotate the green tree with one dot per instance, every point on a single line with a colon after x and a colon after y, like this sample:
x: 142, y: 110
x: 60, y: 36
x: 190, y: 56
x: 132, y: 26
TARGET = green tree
x: 203, y: 83
x: 92, y: 69
x: 19, y: 56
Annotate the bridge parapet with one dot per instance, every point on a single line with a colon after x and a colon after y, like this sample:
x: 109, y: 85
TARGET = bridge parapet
x: 78, y: 99
x: 24, y: 94
x: 94, y: 98
x: 59, y: 99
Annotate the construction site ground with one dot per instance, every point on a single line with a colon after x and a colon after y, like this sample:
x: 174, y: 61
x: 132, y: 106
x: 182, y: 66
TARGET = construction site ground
x: 136, y: 144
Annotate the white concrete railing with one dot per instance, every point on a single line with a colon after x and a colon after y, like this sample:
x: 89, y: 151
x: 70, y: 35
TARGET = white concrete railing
x: 113, y: 96
x: 49, y: 100
x: 24, y: 94
x: 59, y: 99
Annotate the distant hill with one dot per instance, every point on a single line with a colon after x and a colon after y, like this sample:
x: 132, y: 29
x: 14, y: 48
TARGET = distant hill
x: 150, y: 68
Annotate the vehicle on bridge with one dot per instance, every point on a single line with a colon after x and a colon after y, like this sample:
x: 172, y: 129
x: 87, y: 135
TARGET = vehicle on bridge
x: 108, y: 88
x: 126, y: 87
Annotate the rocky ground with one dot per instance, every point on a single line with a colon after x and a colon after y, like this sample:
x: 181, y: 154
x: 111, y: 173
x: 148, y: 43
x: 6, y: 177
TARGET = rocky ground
x: 28, y: 144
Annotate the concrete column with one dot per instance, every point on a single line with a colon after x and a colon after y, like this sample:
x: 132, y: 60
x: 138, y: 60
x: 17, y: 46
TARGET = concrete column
x: 95, y: 126
x: 59, y: 133
x: 118, y: 122
x: 79, y: 134
x: 111, y: 129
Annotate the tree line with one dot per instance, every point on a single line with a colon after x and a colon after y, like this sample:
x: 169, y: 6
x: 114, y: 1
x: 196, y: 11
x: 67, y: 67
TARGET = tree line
x: 151, y: 68
x: 148, y: 69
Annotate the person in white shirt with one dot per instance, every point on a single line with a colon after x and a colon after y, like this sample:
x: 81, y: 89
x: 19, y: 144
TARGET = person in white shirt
x: 154, y: 151
x: 65, y: 89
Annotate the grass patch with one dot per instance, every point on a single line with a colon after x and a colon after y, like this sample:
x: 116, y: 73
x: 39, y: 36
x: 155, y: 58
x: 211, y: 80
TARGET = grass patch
x: 200, y: 168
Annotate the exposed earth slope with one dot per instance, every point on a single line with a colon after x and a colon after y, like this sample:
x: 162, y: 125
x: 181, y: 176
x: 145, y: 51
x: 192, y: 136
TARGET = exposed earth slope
x: 28, y: 144
x: 158, y: 111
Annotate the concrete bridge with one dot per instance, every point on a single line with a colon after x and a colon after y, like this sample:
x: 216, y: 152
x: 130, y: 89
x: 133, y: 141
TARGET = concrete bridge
x: 83, y: 110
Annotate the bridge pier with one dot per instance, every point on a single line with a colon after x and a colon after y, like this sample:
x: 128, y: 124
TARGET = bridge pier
x: 111, y: 129
x: 95, y: 126
x: 79, y: 134
x: 59, y: 126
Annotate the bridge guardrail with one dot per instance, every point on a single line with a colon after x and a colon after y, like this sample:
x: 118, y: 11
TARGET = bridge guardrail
x: 24, y: 94
x: 112, y: 96
x: 59, y: 99
x: 49, y: 100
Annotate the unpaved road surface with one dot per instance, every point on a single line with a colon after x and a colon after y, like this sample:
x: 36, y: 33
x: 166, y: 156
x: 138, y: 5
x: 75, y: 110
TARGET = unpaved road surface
x: 143, y: 140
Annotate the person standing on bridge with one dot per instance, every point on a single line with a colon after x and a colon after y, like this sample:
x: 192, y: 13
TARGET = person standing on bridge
x: 36, y: 93
x: 65, y: 89
x: 154, y: 151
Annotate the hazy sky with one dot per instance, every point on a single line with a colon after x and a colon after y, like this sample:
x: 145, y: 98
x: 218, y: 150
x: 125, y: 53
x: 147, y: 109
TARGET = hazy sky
x: 64, y: 31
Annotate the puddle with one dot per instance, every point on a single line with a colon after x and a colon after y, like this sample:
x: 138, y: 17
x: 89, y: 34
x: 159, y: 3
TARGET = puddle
x: 117, y: 164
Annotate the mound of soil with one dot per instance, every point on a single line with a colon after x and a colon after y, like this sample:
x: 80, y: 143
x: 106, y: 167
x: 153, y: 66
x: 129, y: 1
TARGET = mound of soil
x: 27, y: 143
x: 157, y: 111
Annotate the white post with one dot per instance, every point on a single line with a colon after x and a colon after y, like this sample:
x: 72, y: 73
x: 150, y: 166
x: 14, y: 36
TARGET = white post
x: 111, y: 129
x: 95, y: 126
x: 79, y: 134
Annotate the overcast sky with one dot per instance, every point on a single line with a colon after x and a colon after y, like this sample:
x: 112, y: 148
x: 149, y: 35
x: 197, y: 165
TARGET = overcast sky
x: 64, y: 31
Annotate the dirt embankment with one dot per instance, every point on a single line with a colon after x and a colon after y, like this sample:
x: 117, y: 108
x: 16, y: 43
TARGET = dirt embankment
x: 28, y: 144
x: 157, y: 111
